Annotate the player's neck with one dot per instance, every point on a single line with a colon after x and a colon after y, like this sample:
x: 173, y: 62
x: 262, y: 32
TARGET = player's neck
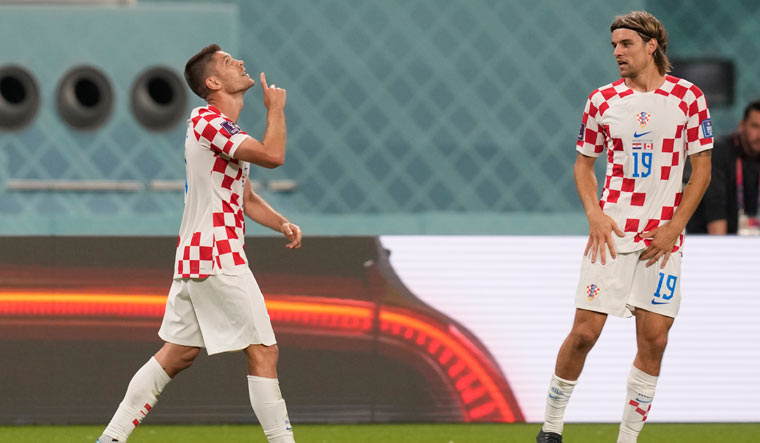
x: 229, y: 105
x: 646, y: 81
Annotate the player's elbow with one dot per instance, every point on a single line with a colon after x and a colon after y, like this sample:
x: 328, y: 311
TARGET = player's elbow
x: 274, y: 162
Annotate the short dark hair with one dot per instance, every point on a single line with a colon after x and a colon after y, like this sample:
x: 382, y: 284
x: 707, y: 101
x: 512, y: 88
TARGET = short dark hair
x: 196, y: 70
x: 753, y: 106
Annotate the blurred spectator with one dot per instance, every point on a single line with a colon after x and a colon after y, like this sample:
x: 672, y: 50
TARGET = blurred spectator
x: 730, y: 205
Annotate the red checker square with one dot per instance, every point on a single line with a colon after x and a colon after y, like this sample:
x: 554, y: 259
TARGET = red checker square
x: 628, y: 185
x: 676, y: 159
x: 677, y: 199
x: 239, y: 174
x: 195, y: 267
x: 637, y: 199
x: 231, y: 232
x: 665, y: 173
x: 661, y: 92
x: 227, y: 182
x: 186, y: 253
x: 626, y: 93
x: 679, y: 131
x: 684, y: 108
x: 608, y: 93
x: 227, y: 147
x: 613, y: 196
x: 632, y: 225
x: 206, y: 252
x: 692, y: 134
x: 590, y: 136
x: 226, y: 207
x: 651, y: 224
x: 238, y: 259
x: 601, y: 203
x: 697, y: 92
x: 617, y: 170
x: 617, y: 144
x: 209, y: 132
x: 703, y: 115
x: 220, y: 165
x: 667, y: 144
x: 218, y: 218
x: 667, y: 213
x: 179, y: 267
x: 196, y: 239
x: 603, y: 108
x: 592, y: 111
x: 223, y: 246
x: 705, y: 141
x: 234, y: 199
x: 679, y: 91
x: 607, y: 181
x: 694, y: 108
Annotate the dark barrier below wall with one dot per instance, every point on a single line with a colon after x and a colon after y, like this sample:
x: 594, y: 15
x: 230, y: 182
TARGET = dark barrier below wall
x: 78, y: 316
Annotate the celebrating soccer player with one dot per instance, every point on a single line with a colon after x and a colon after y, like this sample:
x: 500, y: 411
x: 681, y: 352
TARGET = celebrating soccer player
x: 214, y: 301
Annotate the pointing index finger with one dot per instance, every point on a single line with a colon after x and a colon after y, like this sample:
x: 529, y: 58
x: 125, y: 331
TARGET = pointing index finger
x: 264, y: 82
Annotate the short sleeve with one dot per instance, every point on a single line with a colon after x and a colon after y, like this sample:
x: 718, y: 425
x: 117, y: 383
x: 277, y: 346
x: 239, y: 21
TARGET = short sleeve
x: 699, y: 133
x: 590, y: 137
x: 218, y: 133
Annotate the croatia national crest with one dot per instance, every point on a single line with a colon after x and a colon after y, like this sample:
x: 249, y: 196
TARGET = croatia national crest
x: 643, y: 119
x: 592, y: 291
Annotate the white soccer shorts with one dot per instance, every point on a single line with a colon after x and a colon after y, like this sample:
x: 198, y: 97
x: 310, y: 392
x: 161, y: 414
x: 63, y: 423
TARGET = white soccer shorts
x: 626, y: 283
x: 222, y: 313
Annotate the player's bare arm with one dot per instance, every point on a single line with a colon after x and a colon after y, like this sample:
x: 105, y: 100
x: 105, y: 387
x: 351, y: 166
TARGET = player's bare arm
x: 270, y: 151
x: 258, y: 210
x: 666, y: 236
x: 600, y: 224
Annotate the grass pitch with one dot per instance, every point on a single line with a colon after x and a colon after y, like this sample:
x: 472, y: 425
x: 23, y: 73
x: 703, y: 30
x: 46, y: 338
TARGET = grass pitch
x: 402, y: 433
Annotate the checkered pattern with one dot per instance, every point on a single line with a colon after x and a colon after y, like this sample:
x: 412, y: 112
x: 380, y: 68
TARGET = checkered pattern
x: 643, y: 412
x: 647, y: 136
x: 213, y: 226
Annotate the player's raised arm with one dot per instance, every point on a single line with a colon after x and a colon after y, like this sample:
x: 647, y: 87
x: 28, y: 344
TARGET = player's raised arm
x: 270, y: 151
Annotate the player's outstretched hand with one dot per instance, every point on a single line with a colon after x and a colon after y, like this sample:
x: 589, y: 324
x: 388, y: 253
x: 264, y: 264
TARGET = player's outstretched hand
x: 293, y: 233
x: 274, y: 97
x: 663, y: 240
x: 600, y: 229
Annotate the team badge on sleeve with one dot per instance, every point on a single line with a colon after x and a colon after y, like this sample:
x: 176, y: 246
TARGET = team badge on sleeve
x: 707, y: 128
x: 230, y: 127
x: 582, y: 132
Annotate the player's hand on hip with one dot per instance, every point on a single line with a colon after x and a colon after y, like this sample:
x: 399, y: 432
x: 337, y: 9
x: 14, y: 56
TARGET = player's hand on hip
x: 274, y: 97
x: 600, y: 239
x: 663, y: 239
x: 293, y: 233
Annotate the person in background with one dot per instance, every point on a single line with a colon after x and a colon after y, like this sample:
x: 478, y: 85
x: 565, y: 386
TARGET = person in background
x: 730, y: 205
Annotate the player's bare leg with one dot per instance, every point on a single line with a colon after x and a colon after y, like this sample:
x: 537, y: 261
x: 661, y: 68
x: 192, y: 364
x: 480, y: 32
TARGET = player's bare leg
x: 651, y: 338
x: 587, y: 326
x: 145, y: 388
x: 264, y: 390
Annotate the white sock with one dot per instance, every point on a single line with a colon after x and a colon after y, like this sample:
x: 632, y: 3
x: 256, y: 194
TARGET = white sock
x: 638, y: 401
x: 142, y: 394
x: 269, y: 407
x: 556, y: 400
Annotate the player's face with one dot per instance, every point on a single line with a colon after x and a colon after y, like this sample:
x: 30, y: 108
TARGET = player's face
x: 750, y: 130
x: 231, y: 73
x: 632, y: 54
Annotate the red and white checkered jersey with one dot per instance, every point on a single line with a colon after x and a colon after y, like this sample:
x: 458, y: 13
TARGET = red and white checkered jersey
x: 647, y: 136
x: 211, y: 237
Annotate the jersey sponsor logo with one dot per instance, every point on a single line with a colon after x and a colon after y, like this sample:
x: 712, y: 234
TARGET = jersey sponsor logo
x: 707, y: 128
x: 231, y: 128
x: 592, y: 291
x: 643, y: 119
x: 637, y: 135
x: 582, y: 132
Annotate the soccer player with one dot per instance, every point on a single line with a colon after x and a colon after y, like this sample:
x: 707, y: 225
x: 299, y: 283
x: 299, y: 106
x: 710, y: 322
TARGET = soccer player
x: 648, y: 122
x: 214, y: 300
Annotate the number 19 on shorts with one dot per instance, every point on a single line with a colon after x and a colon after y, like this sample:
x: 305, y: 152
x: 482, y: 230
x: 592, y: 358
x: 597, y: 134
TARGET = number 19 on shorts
x: 642, y: 164
x: 670, y: 286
